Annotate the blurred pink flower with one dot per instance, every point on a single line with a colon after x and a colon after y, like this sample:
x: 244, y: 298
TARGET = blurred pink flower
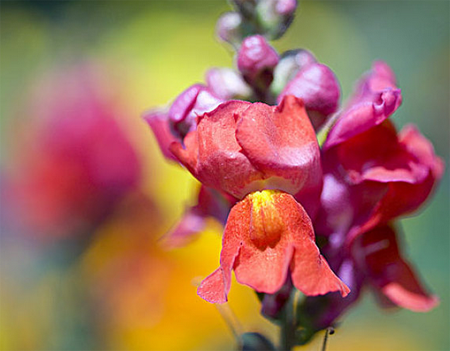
x: 77, y: 162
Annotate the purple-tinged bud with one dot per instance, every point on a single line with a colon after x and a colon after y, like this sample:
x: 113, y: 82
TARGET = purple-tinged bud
x: 290, y: 63
x: 320, y: 312
x: 275, y: 16
x: 273, y: 304
x: 228, y: 28
x: 227, y: 84
x: 319, y: 89
x: 286, y: 7
x: 194, y: 101
x: 256, y: 61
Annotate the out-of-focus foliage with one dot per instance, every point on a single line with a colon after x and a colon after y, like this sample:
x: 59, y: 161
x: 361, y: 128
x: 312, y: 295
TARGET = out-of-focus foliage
x: 120, y: 290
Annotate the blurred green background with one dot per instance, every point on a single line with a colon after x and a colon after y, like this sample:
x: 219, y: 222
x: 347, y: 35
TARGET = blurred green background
x: 120, y: 291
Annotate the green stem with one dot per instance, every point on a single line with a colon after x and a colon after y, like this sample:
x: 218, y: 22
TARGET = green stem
x: 287, y: 331
x: 232, y: 322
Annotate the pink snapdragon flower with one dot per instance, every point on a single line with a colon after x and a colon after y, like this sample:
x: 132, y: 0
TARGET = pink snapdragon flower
x: 372, y: 176
x: 382, y: 174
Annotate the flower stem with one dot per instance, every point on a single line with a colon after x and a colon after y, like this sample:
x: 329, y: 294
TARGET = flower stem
x: 232, y: 322
x: 288, y: 325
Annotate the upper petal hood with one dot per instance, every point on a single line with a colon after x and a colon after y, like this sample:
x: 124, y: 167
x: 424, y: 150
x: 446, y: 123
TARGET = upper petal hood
x: 241, y: 147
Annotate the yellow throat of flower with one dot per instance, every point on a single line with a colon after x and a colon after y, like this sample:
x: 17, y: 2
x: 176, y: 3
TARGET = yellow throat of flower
x: 266, y: 223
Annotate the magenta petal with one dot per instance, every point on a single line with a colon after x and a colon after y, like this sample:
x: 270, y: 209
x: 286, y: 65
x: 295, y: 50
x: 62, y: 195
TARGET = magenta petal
x: 186, y: 230
x: 184, y: 103
x: 286, y: 7
x: 228, y: 27
x: 193, y: 102
x: 375, y: 98
x: 404, y: 198
x: 159, y: 123
x: 363, y: 116
x: 379, y: 78
x: 210, y: 204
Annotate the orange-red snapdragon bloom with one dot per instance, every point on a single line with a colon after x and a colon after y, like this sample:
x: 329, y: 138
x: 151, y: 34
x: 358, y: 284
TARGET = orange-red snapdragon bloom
x: 268, y: 234
x: 268, y: 158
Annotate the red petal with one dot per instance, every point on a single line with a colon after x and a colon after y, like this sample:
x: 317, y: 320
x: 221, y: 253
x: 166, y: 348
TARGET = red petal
x: 310, y: 271
x: 265, y: 267
x: 388, y: 271
x: 403, y: 296
x: 215, y: 287
x: 261, y: 234
x: 422, y: 149
x: 378, y: 155
x: 221, y: 163
x: 281, y: 142
x: 405, y: 197
x: 187, y: 155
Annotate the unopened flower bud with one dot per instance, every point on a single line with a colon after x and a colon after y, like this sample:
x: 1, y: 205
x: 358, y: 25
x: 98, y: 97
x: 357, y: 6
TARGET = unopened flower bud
x: 290, y: 63
x: 256, y: 60
x: 228, y: 28
x: 319, y: 89
x: 226, y: 83
x: 286, y: 7
x: 273, y: 304
x: 275, y: 16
